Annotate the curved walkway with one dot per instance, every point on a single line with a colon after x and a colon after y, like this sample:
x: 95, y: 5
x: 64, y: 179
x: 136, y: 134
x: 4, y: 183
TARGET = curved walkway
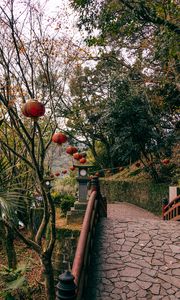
x: 136, y: 257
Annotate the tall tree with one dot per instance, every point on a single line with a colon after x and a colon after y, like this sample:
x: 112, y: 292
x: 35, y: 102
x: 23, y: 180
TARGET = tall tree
x: 145, y: 32
x: 90, y: 89
x: 112, y: 104
x: 35, y: 61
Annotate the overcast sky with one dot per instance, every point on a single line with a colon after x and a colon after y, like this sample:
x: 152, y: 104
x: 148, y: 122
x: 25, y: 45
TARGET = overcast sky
x: 68, y: 21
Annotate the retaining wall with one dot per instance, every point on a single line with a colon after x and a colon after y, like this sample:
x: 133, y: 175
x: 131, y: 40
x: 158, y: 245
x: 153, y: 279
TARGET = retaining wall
x: 143, y: 194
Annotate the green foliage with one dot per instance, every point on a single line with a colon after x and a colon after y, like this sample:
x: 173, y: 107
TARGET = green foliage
x: 119, y: 134
x: 166, y: 172
x: 140, y: 130
x: 117, y: 116
x: 128, y: 101
x: 67, y: 201
x: 136, y: 172
x: 57, y: 197
x: 79, y: 3
x: 64, y: 201
x: 15, y: 282
x: 63, y: 233
x: 148, y: 30
x: 12, y: 194
x: 101, y: 159
x: 66, y: 185
x: 61, y: 199
x: 129, y: 120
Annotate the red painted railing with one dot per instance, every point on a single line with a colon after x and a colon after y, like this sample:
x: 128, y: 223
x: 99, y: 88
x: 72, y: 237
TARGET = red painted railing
x: 95, y: 209
x: 171, y: 211
x: 72, y: 284
x: 81, y: 255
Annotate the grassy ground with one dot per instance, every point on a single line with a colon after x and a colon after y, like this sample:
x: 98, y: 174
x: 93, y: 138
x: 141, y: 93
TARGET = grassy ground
x: 131, y: 173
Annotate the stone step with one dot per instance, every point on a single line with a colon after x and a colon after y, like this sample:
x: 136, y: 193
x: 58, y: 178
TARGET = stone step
x: 80, y: 205
x: 75, y: 217
x: 76, y: 212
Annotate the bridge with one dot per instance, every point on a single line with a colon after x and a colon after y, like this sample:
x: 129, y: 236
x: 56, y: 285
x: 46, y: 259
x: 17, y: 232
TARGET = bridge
x: 130, y: 254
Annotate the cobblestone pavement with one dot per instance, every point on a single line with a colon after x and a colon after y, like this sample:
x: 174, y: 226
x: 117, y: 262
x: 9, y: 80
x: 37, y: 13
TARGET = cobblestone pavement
x: 136, y: 257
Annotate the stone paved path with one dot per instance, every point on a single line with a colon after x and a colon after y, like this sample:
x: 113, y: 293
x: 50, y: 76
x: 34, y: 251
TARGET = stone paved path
x: 136, y: 257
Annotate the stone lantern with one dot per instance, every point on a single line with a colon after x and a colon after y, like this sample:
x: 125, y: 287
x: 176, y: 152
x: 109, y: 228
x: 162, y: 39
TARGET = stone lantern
x: 77, y: 212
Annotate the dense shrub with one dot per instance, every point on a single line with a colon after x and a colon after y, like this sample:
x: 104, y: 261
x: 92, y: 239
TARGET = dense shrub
x: 57, y: 197
x: 67, y: 201
x: 64, y: 201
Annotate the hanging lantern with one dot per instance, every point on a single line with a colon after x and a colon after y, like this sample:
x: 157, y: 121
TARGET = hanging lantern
x: 80, y: 156
x: 64, y: 171
x: 57, y: 174
x: 59, y: 138
x: 33, y: 109
x: 72, y: 168
x: 82, y: 160
x: 75, y: 149
x: 165, y: 161
x: 77, y: 156
x: 71, y: 150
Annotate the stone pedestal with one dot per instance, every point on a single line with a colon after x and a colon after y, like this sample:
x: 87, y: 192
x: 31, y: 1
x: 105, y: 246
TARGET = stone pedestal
x: 173, y: 192
x: 83, y: 188
x: 76, y: 214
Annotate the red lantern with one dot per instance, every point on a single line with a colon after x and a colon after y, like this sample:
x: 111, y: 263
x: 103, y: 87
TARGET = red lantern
x: 24, y: 112
x: 57, y: 173
x: 59, y: 138
x: 75, y: 149
x: 64, y: 171
x: 71, y: 150
x: 72, y: 168
x: 97, y: 174
x: 33, y: 109
x: 76, y: 156
x: 165, y: 161
x: 82, y: 160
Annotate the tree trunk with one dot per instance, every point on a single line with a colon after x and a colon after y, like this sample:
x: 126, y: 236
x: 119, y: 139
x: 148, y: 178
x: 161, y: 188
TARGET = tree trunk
x: 48, y: 275
x: 10, y: 250
x: 2, y: 234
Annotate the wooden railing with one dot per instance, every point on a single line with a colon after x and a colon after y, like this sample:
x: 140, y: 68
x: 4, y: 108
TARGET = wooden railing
x: 171, y: 211
x: 76, y: 281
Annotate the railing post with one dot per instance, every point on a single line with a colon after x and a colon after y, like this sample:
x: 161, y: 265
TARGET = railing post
x: 66, y: 288
x: 102, y: 202
x: 95, y: 184
x: 164, y: 204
